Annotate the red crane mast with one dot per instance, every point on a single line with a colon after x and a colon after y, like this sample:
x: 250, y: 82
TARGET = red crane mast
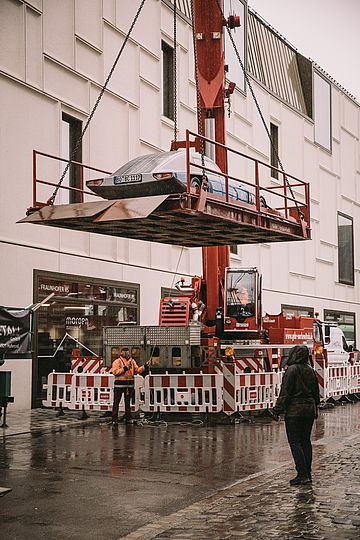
x: 210, y: 56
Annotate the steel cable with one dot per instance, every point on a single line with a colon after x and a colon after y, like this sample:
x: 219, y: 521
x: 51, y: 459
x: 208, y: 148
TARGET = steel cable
x: 174, y: 71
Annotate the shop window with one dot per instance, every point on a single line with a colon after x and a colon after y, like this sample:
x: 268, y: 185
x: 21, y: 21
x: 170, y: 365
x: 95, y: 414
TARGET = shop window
x: 345, y: 249
x: 346, y: 321
x: 234, y: 249
x: 297, y: 311
x: 71, y: 129
x: 274, y: 150
x: 74, y: 318
x: 167, y: 55
x: 322, y: 111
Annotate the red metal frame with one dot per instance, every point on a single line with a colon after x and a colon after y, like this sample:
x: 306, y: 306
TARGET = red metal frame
x: 36, y: 153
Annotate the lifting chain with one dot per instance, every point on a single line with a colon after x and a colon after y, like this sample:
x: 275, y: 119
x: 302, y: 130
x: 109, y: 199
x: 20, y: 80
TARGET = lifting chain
x: 52, y: 198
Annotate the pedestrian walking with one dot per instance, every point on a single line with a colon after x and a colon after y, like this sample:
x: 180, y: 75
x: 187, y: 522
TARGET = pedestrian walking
x: 124, y: 369
x: 298, y: 400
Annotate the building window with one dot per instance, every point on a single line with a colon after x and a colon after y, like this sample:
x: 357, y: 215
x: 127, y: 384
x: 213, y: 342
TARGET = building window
x: 274, y: 149
x: 346, y: 321
x: 167, y: 80
x: 234, y: 249
x: 71, y: 129
x: 322, y: 111
x: 74, y: 318
x: 345, y: 249
x: 297, y: 311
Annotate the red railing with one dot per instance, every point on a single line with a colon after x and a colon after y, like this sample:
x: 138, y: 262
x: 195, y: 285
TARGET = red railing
x: 80, y: 190
x: 291, y: 207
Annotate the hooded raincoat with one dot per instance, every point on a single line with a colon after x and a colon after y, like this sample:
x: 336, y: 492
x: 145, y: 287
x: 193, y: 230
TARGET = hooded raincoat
x: 299, y: 394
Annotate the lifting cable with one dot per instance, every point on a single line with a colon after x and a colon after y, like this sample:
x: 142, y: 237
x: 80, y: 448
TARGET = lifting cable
x: 198, y: 100
x: 174, y: 71
x: 52, y: 198
x: 258, y: 106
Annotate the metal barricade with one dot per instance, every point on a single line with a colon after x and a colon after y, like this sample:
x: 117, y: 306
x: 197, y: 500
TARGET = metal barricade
x: 92, y: 392
x: 354, y: 379
x: 189, y: 393
x: 256, y: 391
x: 59, y: 390
x: 337, y: 381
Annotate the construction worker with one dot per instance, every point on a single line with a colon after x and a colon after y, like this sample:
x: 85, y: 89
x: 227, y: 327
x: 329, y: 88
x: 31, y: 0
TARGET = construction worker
x: 124, y: 369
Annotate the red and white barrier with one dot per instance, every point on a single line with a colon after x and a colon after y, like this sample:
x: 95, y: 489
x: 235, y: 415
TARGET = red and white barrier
x: 229, y: 391
x: 58, y: 390
x: 354, y: 379
x: 255, y: 391
x: 94, y: 392
x: 183, y: 393
x: 322, y: 377
x: 89, y: 364
x: 337, y: 381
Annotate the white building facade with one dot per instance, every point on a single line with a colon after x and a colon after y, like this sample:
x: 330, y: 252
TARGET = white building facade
x: 54, y: 59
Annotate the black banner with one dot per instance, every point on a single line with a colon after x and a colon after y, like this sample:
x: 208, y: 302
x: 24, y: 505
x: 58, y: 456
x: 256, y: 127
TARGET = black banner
x: 15, y: 334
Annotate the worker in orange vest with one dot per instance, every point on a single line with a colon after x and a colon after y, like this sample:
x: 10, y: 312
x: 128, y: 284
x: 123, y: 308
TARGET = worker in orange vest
x: 124, y: 369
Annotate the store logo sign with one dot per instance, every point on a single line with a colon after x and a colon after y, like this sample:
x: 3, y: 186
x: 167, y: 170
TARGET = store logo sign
x: 55, y: 288
x: 76, y: 321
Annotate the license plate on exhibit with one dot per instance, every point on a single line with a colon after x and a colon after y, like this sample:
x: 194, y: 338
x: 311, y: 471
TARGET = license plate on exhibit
x: 127, y: 179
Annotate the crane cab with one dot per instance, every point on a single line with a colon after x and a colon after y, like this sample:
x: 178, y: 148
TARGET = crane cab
x: 242, y: 310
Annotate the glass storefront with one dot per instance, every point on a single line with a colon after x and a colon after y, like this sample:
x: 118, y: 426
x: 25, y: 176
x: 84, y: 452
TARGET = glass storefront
x: 74, y: 318
x: 346, y: 321
x: 297, y: 311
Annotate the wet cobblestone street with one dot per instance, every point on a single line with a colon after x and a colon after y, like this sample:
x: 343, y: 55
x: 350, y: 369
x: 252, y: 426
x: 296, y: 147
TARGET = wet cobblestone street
x: 267, y: 507
x: 74, y: 480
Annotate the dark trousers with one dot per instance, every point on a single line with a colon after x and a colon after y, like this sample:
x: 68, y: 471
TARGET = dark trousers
x: 298, y: 431
x: 128, y: 394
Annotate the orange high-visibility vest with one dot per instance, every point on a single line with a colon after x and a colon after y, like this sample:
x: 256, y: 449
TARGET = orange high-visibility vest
x: 117, y: 369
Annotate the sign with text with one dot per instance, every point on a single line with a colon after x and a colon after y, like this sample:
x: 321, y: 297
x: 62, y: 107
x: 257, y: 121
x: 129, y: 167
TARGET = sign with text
x: 15, y: 334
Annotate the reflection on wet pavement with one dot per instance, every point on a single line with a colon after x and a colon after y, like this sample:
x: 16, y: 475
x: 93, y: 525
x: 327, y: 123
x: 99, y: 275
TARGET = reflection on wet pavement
x: 81, y: 477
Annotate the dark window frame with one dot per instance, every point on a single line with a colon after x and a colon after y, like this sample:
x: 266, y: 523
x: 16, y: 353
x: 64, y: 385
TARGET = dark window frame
x: 168, y: 82
x: 341, y: 279
x: 274, y: 150
x: 339, y: 312
x: 328, y: 150
x: 297, y: 308
x: 76, y: 179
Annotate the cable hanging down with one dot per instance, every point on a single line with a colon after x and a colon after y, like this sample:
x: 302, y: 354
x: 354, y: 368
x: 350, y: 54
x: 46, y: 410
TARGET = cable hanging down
x: 53, y: 196
x: 174, y: 71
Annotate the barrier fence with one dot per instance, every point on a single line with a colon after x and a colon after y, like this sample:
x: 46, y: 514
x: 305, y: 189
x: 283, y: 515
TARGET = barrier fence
x: 229, y: 390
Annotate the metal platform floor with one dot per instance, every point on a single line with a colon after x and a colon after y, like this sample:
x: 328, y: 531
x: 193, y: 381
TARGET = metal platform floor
x: 175, y: 219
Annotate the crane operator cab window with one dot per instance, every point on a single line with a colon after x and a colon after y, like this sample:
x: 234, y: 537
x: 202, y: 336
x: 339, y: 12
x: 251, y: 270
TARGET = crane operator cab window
x: 240, y: 294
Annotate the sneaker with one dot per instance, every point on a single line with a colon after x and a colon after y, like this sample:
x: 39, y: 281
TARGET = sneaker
x: 300, y: 480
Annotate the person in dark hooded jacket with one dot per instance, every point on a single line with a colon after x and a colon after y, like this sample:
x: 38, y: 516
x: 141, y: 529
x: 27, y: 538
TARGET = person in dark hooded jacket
x: 298, y: 400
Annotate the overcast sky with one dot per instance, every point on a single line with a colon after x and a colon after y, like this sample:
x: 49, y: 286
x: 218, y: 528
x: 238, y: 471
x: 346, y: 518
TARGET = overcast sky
x: 327, y: 31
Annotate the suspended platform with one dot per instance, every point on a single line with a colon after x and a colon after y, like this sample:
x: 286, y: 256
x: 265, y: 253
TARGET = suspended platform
x: 189, y: 219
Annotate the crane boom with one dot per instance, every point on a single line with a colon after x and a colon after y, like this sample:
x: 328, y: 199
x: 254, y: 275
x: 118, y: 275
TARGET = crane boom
x: 210, y: 54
